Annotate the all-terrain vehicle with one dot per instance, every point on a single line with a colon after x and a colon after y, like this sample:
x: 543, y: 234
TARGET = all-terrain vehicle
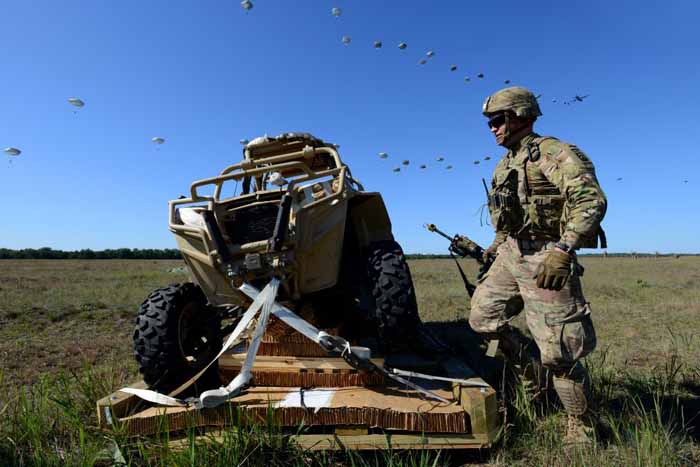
x: 300, y: 216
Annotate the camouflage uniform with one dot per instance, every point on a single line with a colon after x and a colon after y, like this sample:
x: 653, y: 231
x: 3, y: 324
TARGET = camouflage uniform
x: 527, y: 205
x: 543, y: 191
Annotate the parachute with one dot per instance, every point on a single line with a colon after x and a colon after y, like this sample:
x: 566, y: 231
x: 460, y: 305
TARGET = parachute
x: 480, y: 75
x: 336, y: 12
x: 377, y: 44
x: 453, y: 68
x: 487, y: 158
x: 422, y: 61
x: 243, y: 141
x: 397, y: 169
x: 74, y: 101
x: 467, y: 79
x: 476, y: 162
x: 383, y: 155
x: 158, y: 140
x: 346, y: 40
x: 247, y: 5
x: 12, y: 152
x: 402, y: 45
x: 406, y: 162
x: 430, y: 53
x: 440, y: 159
x: 449, y: 167
x: 423, y: 166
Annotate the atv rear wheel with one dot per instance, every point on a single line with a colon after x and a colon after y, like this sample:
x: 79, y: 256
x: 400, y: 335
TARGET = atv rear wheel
x: 177, y: 334
x: 396, y: 311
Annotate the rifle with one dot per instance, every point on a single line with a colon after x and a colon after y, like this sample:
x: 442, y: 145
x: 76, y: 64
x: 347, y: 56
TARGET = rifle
x: 464, y: 246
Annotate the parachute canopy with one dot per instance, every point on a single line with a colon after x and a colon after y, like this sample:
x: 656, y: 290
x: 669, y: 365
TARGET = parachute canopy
x: 377, y: 44
x: 346, y: 40
x: 12, y: 151
x: 383, y: 155
x: 243, y: 141
x: 430, y: 53
x: 423, y: 166
x: 336, y: 12
x: 449, y: 167
x: 247, y: 5
x: 422, y: 61
x: 476, y: 162
x: 480, y: 75
x: 453, y: 68
x: 76, y: 102
x: 440, y: 159
x: 158, y: 140
x: 402, y: 45
x: 406, y: 162
x: 397, y: 169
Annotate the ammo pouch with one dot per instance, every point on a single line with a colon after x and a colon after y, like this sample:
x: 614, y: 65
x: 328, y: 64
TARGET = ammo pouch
x: 504, y: 203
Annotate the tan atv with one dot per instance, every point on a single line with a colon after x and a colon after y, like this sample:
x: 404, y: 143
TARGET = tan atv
x: 300, y: 216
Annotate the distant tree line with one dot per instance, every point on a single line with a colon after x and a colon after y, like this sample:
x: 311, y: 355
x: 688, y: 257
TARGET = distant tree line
x: 173, y: 253
x: 118, y: 253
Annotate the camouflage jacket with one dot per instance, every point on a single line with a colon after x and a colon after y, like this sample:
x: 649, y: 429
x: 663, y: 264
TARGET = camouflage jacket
x: 546, y: 189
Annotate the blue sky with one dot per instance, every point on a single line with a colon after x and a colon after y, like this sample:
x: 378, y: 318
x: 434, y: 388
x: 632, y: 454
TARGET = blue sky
x: 205, y: 74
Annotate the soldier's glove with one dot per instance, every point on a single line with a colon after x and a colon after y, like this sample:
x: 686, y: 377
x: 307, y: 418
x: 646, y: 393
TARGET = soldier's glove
x: 461, y: 245
x: 554, y: 271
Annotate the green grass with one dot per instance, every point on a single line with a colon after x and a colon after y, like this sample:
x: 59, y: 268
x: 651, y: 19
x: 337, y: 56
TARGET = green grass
x: 65, y: 331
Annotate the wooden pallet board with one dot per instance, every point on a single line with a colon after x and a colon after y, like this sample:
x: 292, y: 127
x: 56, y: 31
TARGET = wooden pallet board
x: 367, y: 442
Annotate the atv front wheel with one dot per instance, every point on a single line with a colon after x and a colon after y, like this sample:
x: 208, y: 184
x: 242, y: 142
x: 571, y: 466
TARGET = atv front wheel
x: 176, y: 336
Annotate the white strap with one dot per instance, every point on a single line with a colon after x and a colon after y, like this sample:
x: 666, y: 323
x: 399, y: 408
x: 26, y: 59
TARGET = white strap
x: 233, y: 339
x: 215, y: 397
x: 463, y: 382
x: 307, y: 329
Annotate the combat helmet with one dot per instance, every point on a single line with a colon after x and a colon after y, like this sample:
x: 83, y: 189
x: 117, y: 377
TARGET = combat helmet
x: 516, y: 98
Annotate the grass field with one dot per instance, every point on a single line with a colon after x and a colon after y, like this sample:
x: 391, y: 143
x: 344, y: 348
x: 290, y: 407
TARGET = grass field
x: 65, y: 340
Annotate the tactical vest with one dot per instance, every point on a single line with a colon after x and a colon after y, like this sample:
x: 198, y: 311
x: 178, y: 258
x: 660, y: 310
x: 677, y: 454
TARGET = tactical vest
x: 525, y: 204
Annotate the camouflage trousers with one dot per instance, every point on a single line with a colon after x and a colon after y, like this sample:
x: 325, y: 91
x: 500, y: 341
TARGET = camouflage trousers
x: 559, y: 321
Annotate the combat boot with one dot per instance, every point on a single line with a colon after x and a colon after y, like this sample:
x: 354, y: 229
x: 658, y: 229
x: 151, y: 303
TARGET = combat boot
x: 573, y: 389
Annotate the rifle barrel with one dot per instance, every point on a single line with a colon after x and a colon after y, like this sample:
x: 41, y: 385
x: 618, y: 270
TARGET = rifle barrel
x: 433, y: 228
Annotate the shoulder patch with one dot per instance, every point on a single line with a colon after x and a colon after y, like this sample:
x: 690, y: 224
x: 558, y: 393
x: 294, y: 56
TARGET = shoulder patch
x: 581, y: 155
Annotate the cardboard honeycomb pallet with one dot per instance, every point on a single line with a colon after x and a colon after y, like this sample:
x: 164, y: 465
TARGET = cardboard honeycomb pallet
x: 341, y: 407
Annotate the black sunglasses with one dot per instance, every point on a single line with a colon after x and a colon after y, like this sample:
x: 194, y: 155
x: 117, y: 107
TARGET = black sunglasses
x: 497, y: 121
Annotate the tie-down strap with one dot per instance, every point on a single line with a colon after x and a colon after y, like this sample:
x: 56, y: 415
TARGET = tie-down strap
x: 357, y: 357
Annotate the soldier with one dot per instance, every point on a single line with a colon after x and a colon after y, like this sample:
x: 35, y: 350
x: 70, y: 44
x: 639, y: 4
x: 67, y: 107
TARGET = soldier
x: 545, y: 203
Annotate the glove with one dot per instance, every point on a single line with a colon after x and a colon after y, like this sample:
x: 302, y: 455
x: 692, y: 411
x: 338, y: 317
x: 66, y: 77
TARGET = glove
x: 554, y: 270
x: 490, y: 253
x: 461, y: 245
